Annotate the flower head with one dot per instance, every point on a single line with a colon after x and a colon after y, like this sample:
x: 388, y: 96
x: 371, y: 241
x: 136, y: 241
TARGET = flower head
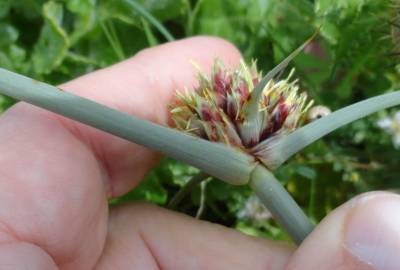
x: 217, y: 109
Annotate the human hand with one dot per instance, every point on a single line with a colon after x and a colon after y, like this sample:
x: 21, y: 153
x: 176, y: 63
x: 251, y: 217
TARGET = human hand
x: 56, y: 175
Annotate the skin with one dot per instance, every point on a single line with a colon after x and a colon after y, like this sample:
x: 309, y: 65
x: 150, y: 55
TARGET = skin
x: 56, y: 176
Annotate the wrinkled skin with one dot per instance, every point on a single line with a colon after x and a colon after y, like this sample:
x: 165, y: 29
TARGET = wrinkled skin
x: 56, y: 176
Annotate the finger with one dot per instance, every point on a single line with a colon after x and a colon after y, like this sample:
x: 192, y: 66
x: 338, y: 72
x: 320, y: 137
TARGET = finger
x: 143, y: 86
x: 142, y: 236
x: 52, y: 172
x: 22, y: 255
x: 51, y: 194
x: 361, y: 235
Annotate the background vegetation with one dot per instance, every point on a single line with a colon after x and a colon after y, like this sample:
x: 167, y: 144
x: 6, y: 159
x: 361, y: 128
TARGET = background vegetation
x: 353, y: 58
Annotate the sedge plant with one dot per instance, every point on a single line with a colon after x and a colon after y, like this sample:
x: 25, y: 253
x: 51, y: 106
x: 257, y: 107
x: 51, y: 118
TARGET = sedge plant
x: 237, y: 126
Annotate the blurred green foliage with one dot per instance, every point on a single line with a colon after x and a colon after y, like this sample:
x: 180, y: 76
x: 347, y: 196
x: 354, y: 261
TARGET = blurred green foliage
x: 354, y: 57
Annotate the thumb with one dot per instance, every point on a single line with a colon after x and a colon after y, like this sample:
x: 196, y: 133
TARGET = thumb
x: 362, y: 234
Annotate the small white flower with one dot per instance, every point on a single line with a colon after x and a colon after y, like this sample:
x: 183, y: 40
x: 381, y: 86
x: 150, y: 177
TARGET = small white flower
x: 385, y: 123
x: 391, y: 125
x: 397, y: 117
x: 254, y: 210
x: 396, y: 141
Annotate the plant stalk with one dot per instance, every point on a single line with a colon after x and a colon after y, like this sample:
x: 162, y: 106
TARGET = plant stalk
x: 142, y: 11
x: 202, y: 202
x: 221, y: 161
x: 285, y: 147
x: 281, y: 205
x: 187, y: 188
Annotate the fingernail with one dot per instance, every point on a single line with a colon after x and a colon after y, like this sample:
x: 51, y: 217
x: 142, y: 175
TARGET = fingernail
x: 373, y: 232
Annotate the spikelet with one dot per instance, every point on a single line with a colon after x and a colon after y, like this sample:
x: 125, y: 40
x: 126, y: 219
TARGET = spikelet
x: 216, y: 109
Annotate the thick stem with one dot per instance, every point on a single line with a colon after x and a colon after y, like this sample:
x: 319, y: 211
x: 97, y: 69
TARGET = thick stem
x: 277, y: 153
x: 186, y: 189
x: 281, y: 205
x: 223, y: 162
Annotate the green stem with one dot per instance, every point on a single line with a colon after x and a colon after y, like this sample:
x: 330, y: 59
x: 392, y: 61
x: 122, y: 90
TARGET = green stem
x: 281, y: 205
x: 192, y: 16
x: 114, y: 35
x: 202, y: 203
x: 221, y: 161
x: 142, y: 11
x: 113, y: 39
x: 285, y: 147
x: 151, y: 39
x: 186, y: 189
x: 313, y: 195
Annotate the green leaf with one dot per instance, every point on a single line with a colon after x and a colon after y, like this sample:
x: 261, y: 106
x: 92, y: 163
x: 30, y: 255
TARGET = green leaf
x: 330, y: 31
x: 30, y: 9
x: 5, y: 6
x: 313, y: 73
x: 5, y: 61
x: 290, y: 22
x: 150, y: 18
x: 13, y: 58
x: 8, y: 34
x: 116, y: 9
x: 5, y: 102
x: 162, y: 10
x: 180, y: 172
x: 306, y: 171
x: 84, y: 21
x: 344, y: 8
x: 150, y: 189
x: 215, y: 19
x: 53, y: 42
x: 166, y: 9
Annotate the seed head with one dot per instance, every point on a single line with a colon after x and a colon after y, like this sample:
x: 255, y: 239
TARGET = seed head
x: 217, y: 109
